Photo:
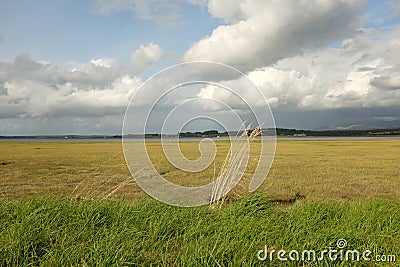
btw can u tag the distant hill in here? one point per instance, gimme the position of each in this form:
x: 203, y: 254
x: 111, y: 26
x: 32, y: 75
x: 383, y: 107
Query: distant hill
x: 384, y: 123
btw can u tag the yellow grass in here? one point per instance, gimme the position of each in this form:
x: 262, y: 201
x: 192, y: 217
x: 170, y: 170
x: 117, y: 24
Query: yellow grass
x: 339, y: 170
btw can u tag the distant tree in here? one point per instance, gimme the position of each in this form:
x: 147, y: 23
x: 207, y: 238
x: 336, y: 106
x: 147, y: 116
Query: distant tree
x: 210, y: 132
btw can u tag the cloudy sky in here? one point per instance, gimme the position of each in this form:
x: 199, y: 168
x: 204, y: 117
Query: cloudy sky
x: 71, y: 67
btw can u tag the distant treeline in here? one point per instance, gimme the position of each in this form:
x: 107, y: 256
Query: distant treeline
x: 209, y: 133
x: 296, y: 132
x: 215, y: 133
x: 371, y: 132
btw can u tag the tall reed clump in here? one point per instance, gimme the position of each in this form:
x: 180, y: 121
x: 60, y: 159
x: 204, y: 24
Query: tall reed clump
x: 237, y: 155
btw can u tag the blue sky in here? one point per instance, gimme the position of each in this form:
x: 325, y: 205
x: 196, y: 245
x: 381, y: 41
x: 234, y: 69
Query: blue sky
x: 381, y: 14
x: 75, y: 64
x: 60, y: 31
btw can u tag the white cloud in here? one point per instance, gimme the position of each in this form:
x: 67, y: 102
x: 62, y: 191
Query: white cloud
x: 229, y: 10
x: 98, y: 72
x: 263, y: 32
x: 30, y: 89
x: 144, y: 56
x: 363, y: 74
x: 104, y: 62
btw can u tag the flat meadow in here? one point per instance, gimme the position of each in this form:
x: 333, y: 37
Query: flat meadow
x: 75, y: 204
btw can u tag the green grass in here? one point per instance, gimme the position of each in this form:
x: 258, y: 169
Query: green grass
x: 351, y: 190
x: 60, y: 232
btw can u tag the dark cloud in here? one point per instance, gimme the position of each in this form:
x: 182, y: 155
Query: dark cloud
x: 387, y: 82
x: 336, y: 118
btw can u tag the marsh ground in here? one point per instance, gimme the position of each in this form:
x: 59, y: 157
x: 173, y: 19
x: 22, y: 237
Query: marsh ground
x: 338, y: 170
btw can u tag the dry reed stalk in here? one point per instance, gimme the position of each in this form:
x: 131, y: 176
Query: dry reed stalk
x: 232, y: 163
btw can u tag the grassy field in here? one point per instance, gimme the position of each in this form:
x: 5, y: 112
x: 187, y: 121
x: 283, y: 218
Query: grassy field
x: 337, y: 170
x: 74, y: 204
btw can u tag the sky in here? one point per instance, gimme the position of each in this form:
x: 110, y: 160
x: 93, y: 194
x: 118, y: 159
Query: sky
x: 72, y: 67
